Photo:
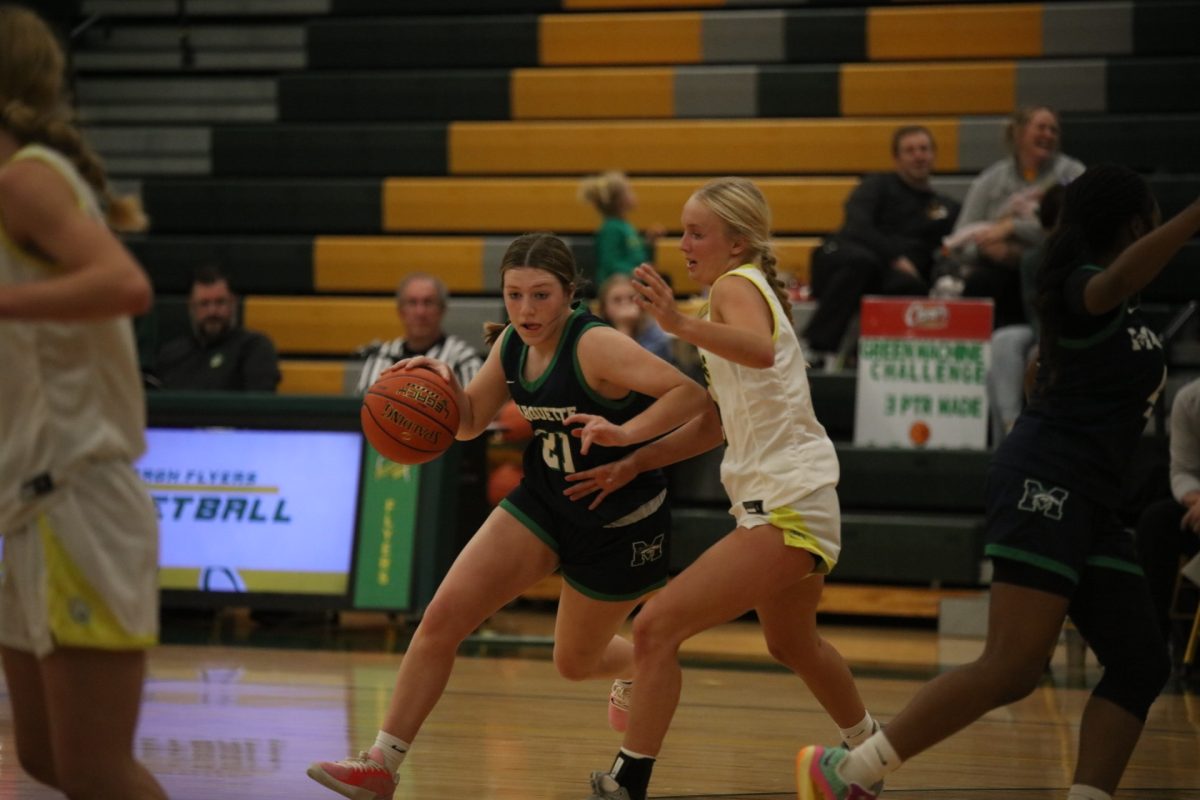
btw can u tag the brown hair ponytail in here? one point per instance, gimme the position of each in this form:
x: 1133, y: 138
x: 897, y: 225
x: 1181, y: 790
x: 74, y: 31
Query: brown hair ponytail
x: 540, y: 251
x: 33, y: 108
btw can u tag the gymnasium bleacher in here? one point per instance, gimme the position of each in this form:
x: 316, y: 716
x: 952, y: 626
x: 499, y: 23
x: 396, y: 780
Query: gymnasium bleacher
x: 319, y: 149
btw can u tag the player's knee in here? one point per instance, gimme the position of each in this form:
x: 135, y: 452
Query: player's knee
x: 654, y: 634
x: 441, y: 626
x: 1135, y: 680
x: 1009, y: 681
x: 573, y: 665
x: 795, y: 653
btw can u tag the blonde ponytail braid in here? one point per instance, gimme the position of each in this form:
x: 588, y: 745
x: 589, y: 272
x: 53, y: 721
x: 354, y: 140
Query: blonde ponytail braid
x: 767, y: 263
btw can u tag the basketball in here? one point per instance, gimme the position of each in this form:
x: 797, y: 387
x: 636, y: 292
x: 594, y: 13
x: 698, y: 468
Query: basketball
x: 411, y: 416
x: 511, y: 426
x: 503, y: 479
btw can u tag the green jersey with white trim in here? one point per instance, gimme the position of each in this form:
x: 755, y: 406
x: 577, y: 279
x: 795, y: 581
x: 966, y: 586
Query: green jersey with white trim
x: 560, y: 391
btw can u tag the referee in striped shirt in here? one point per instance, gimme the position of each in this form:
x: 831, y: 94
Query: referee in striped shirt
x: 421, y: 304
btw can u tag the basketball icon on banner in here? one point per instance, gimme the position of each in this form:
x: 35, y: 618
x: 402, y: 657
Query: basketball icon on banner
x: 918, y: 433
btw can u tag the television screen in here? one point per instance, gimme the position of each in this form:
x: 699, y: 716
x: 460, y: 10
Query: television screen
x: 256, y: 511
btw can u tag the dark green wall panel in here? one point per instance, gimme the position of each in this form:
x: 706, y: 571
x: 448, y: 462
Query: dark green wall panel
x: 1146, y: 142
x: 1165, y: 27
x: 423, y: 42
x: 928, y: 480
x: 1174, y: 192
x: 394, y: 96
x: 787, y: 91
x: 262, y: 207
x: 394, y: 7
x: 316, y: 150
x: 254, y: 265
x: 1180, y: 280
x: 1153, y: 84
x: 827, y: 35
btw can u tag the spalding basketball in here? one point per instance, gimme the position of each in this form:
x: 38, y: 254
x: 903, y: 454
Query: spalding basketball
x: 410, y: 416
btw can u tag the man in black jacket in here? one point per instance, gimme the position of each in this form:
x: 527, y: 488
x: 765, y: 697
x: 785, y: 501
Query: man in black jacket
x: 893, y: 227
x: 219, y: 354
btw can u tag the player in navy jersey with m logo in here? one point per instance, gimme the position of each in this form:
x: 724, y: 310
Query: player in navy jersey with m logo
x: 1058, y: 548
x: 591, y: 395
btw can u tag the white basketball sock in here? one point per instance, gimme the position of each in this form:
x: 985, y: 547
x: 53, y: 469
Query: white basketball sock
x: 1081, y: 792
x: 392, y: 750
x: 868, y: 763
x: 859, y: 733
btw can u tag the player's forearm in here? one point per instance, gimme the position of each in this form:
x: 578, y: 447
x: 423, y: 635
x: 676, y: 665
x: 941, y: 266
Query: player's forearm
x: 93, y: 293
x: 746, y: 347
x: 698, y: 435
x: 674, y: 408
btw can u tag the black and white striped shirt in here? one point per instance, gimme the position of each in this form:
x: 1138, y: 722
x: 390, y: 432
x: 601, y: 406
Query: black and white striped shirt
x: 459, y: 355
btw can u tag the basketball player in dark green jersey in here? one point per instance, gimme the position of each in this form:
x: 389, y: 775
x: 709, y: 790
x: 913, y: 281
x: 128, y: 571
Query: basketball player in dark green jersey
x: 591, y: 394
x: 1057, y: 546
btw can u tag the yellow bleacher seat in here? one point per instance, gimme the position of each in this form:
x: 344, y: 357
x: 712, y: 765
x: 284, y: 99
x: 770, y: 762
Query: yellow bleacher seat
x: 740, y: 147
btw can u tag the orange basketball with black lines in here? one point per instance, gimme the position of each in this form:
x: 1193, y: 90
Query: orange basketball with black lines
x: 410, y: 416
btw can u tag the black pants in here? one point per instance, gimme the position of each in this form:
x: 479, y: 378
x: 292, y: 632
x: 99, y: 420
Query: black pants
x: 1003, y: 285
x: 842, y: 272
x: 1160, y: 544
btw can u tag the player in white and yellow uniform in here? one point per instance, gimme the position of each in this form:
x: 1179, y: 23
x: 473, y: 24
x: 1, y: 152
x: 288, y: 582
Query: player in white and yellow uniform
x: 780, y: 471
x: 78, y: 595
x: 779, y: 467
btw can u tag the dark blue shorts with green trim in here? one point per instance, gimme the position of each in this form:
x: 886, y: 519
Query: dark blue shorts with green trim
x: 1056, y: 530
x: 618, y: 563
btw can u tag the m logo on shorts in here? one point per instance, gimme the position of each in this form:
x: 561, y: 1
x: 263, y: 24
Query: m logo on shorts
x: 1041, y: 500
x: 644, y: 553
x: 753, y: 506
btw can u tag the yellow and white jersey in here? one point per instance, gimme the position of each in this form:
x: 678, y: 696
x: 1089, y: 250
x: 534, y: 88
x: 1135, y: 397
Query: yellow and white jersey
x: 71, y: 391
x: 776, y: 450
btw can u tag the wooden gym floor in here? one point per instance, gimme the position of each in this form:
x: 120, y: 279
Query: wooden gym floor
x: 243, y: 720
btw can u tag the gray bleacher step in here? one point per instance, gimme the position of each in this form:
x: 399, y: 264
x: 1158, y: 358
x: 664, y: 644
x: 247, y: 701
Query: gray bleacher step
x: 214, y: 47
x: 176, y: 99
x: 955, y: 186
x: 206, y: 8
x: 176, y: 113
x: 158, y: 165
x: 207, y: 61
x: 137, y: 151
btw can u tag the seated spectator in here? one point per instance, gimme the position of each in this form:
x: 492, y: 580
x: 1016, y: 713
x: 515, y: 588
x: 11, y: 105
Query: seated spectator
x: 894, y: 224
x: 617, y: 305
x: 999, y: 222
x: 1170, y: 529
x: 619, y: 246
x: 1015, y: 346
x: 219, y: 354
x: 421, y: 301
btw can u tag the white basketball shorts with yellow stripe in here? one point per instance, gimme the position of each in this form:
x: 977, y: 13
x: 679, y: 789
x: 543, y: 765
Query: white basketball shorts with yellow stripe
x: 812, y: 523
x: 83, y: 570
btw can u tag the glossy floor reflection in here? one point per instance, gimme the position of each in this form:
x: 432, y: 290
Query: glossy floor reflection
x: 243, y: 722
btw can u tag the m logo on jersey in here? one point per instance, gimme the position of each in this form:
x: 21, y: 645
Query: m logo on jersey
x: 1041, y: 500
x: 1143, y: 339
x: 644, y: 553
